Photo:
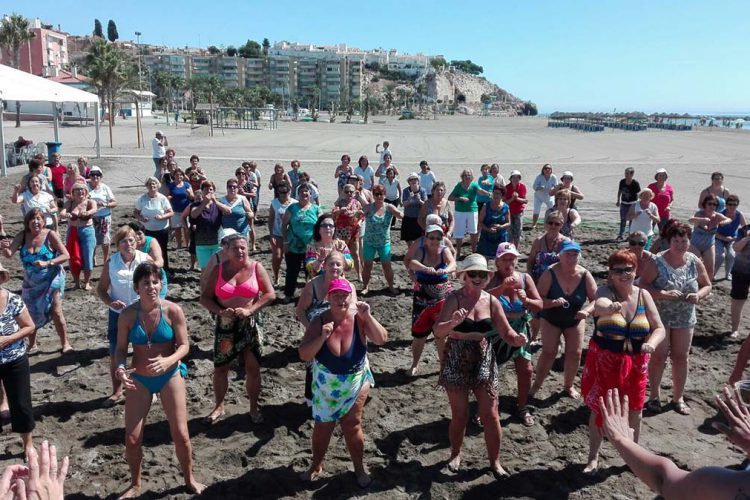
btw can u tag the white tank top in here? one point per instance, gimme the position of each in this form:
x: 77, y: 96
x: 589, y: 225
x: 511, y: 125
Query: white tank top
x: 121, y: 278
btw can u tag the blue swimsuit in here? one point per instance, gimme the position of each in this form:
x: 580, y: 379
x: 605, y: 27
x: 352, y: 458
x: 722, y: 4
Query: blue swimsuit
x: 163, y: 333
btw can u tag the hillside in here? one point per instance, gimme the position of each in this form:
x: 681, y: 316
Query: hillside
x: 438, y: 88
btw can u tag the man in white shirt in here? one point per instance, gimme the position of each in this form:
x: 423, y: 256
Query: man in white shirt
x: 385, y: 151
x: 159, y: 146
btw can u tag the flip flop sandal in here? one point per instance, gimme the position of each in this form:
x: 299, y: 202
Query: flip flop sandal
x: 681, y: 407
x: 527, y: 419
x: 653, y: 406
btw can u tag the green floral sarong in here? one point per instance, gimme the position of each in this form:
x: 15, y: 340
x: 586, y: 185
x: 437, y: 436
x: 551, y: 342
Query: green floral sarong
x: 333, y: 394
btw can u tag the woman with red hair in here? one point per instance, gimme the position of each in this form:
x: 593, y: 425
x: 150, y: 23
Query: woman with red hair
x: 627, y: 330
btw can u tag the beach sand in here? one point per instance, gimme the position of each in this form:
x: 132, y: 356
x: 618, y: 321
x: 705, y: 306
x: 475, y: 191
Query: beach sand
x: 406, y: 420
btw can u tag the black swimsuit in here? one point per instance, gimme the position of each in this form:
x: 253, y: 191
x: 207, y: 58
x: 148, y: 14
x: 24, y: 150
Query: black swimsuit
x: 565, y: 317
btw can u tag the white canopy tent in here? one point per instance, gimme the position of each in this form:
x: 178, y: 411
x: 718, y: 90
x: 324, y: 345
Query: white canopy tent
x: 16, y: 85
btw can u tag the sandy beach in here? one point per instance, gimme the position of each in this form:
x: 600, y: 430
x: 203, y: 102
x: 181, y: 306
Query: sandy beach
x: 406, y: 419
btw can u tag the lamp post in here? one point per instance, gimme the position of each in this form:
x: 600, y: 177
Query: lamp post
x: 138, y: 128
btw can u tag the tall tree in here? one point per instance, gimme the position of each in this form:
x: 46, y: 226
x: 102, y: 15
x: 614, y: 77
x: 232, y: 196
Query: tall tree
x: 112, y: 34
x: 231, y: 51
x: 14, y: 33
x: 266, y: 46
x: 111, y: 72
x: 250, y: 50
x: 214, y: 50
x: 98, y: 32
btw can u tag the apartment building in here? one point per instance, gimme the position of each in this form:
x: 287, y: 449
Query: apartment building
x: 48, y: 49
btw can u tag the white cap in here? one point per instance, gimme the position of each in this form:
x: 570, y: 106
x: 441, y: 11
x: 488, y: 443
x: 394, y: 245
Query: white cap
x: 159, y: 132
x: 661, y: 171
x: 226, y: 231
x: 515, y: 172
x: 432, y: 228
x: 567, y: 173
x: 433, y: 219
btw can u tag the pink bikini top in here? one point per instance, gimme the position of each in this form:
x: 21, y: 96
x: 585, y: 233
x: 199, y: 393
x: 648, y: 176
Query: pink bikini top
x: 247, y: 289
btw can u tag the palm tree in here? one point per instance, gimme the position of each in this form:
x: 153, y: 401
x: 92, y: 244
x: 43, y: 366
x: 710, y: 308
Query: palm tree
x: 15, y: 32
x: 111, y: 73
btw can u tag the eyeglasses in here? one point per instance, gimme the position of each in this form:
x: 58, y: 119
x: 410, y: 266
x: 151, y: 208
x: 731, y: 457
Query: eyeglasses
x: 622, y: 270
x: 476, y: 274
x: 326, y: 225
x: 637, y: 243
x: 556, y: 224
x: 712, y: 204
x: 378, y: 194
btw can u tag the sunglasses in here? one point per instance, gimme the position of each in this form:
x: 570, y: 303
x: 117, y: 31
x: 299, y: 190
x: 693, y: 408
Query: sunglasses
x: 476, y: 274
x: 326, y: 225
x: 712, y: 204
x: 637, y: 243
x: 556, y: 224
x: 232, y: 186
x: 732, y: 204
x: 378, y: 194
x: 95, y: 175
x: 348, y: 192
x: 435, y: 238
x: 622, y: 270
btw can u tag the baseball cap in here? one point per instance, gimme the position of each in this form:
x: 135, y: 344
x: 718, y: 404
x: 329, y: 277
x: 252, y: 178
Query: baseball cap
x: 506, y: 248
x: 515, y: 172
x: 570, y: 245
x: 340, y: 285
x: 432, y: 228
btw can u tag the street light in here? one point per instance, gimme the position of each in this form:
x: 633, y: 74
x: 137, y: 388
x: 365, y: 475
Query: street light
x: 139, y: 130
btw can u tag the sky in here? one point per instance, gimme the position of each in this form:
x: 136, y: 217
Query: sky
x: 564, y: 55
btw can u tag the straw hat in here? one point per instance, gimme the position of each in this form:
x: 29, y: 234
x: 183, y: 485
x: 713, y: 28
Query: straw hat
x: 474, y: 262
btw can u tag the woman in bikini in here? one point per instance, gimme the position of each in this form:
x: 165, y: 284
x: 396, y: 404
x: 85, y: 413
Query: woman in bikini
x: 235, y: 291
x: 565, y: 288
x: 158, y: 332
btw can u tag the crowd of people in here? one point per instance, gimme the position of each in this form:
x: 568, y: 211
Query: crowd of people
x: 643, y: 314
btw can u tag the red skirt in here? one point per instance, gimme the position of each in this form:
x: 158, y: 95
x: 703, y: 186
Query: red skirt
x: 604, y: 370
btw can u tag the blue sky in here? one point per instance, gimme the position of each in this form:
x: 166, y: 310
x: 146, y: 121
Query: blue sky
x: 657, y: 55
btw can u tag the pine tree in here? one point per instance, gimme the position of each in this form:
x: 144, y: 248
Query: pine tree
x: 98, y: 28
x: 112, y: 34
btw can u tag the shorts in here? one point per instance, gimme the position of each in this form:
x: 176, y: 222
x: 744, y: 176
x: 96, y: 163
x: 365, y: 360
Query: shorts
x: 16, y: 378
x: 176, y: 221
x: 423, y: 324
x: 464, y: 223
x: 410, y: 229
x: 516, y: 228
x: 112, y: 331
x: 102, y: 227
x: 540, y: 198
x: 604, y: 370
x: 384, y: 252
x: 740, y: 285
x: 58, y: 192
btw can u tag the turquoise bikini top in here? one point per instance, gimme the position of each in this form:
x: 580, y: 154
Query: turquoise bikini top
x: 163, y: 332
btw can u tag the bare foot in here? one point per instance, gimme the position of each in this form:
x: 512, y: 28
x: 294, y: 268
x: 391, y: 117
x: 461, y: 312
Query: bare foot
x: 195, y: 487
x: 498, y: 471
x: 132, y: 492
x: 87, y: 286
x: 413, y: 371
x: 364, y: 291
x: 311, y: 474
x: 67, y: 348
x: 734, y: 335
x: 454, y: 464
x: 591, y: 467
x: 214, y: 416
x: 573, y: 393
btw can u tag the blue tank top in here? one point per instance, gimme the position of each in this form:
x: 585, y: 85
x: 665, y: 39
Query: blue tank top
x: 44, y: 253
x: 730, y: 230
x: 350, y: 361
x: 514, y: 306
x: 179, y: 195
x: 163, y: 333
x: 237, y: 218
x: 424, y: 278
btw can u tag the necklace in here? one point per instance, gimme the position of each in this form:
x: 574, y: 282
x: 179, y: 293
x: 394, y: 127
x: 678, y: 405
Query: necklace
x: 145, y: 330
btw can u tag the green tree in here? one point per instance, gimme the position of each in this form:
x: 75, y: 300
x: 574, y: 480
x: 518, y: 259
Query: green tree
x: 213, y: 50
x: 232, y: 51
x: 98, y: 32
x: 250, y: 50
x: 111, y: 72
x: 112, y: 34
x: 207, y: 87
x: 15, y: 32
x: 467, y: 67
x: 438, y: 62
x: 389, y: 97
x: 266, y: 46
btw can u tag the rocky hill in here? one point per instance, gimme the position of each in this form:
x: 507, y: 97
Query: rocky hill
x: 446, y: 88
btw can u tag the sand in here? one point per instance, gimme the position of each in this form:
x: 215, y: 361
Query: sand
x: 406, y: 420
